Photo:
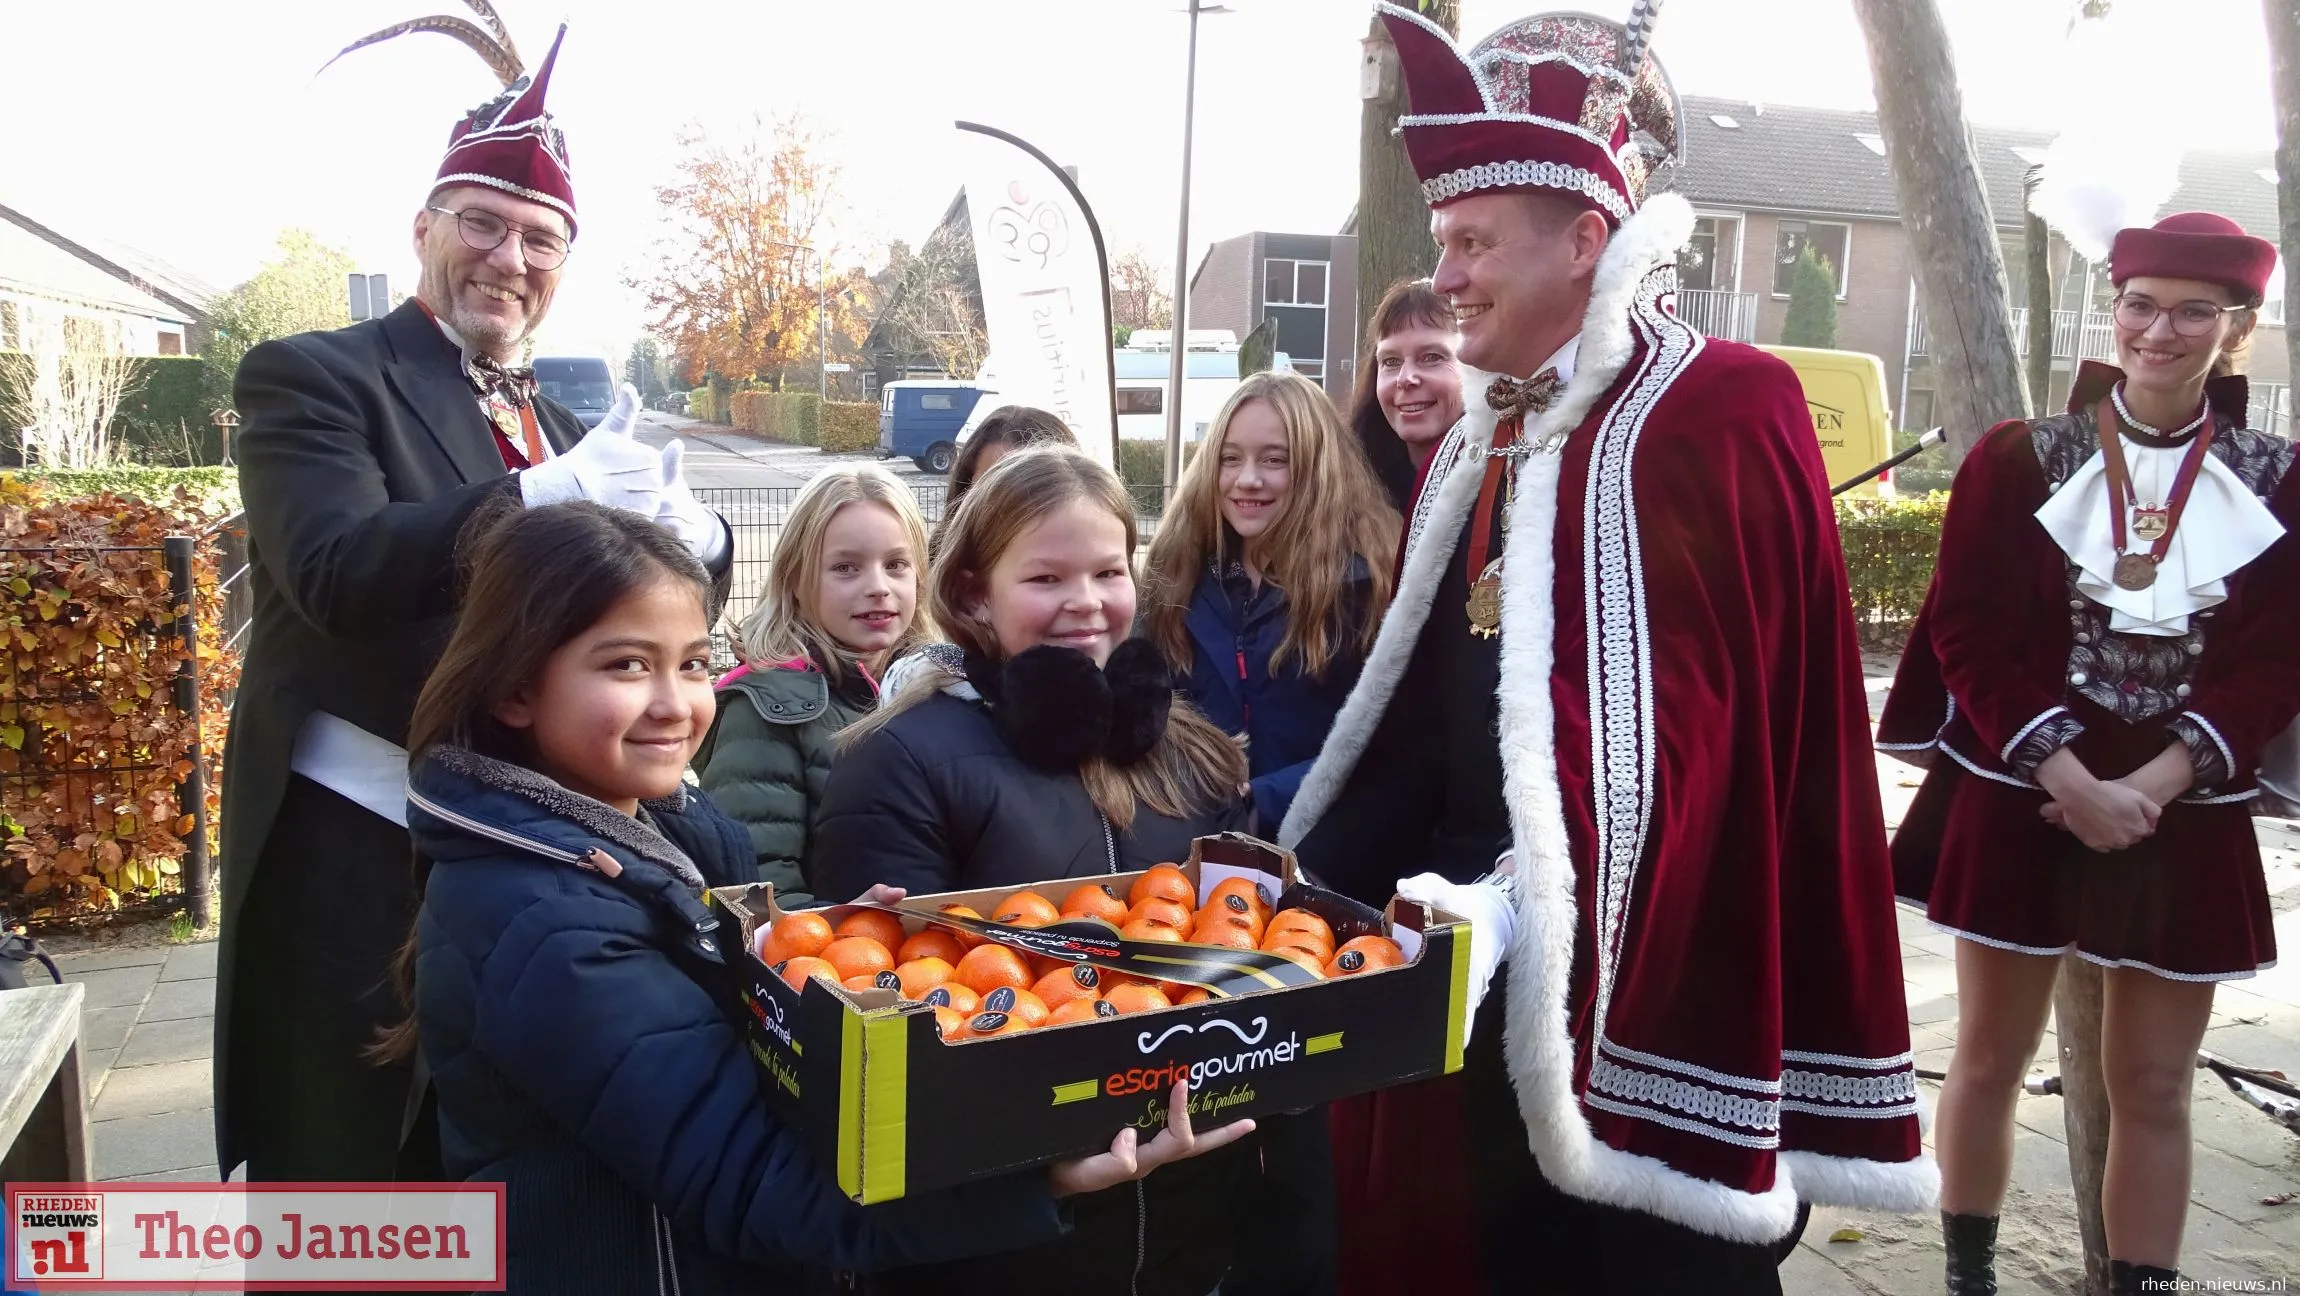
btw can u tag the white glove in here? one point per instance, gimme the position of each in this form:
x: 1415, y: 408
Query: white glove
x: 606, y: 467
x: 684, y: 516
x: 1492, y: 914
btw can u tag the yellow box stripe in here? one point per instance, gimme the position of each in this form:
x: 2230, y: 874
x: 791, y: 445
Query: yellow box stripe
x: 850, y: 1159
x: 1457, y: 1001
x: 1079, y: 1092
x: 1317, y: 1044
x: 886, y: 1102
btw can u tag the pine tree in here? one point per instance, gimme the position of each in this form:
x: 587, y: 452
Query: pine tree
x: 1812, y: 318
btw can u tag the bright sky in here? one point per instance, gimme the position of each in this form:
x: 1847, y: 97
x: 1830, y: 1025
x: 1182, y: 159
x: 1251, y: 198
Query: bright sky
x: 198, y: 131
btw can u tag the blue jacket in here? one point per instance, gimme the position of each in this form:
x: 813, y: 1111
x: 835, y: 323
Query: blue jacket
x: 579, y: 1039
x: 1284, y: 716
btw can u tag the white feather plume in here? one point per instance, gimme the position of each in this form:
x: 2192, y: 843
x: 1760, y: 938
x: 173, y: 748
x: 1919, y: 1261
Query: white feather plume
x: 2106, y: 171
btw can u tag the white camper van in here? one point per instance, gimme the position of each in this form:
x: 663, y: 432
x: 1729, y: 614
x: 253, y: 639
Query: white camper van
x: 1142, y: 369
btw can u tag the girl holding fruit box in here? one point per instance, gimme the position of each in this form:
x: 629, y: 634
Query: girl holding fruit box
x: 1042, y: 743
x: 840, y: 603
x: 568, y: 997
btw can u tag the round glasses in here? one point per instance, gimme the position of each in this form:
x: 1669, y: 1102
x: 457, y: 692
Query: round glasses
x: 484, y: 231
x: 2189, y: 318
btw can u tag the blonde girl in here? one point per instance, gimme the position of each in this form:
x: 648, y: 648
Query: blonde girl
x: 1270, y: 575
x: 840, y: 602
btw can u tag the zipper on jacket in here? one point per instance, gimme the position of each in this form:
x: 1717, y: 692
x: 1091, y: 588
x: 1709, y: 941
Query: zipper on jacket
x: 666, y: 1253
x: 1141, y: 1238
x: 1245, y: 706
x: 1109, y: 840
x: 588, y: 859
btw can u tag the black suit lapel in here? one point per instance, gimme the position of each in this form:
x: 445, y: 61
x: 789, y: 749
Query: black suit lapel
x: 424, y: 371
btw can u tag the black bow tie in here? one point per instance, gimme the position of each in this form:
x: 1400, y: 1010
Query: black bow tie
x: 492, y: 378
x: 1509, y: 397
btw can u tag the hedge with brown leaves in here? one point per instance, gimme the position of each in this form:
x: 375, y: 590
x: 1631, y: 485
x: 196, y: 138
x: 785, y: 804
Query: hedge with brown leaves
x: 91, y: 744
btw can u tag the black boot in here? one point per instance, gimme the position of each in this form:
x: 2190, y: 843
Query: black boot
x: 2128, y: 1279
x: 1972, y: 1245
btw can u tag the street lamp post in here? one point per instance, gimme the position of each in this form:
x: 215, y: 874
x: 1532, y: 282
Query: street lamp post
x: 1176, y: 370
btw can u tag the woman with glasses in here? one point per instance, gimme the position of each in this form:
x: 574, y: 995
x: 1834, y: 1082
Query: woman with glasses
x: 2105, y: 649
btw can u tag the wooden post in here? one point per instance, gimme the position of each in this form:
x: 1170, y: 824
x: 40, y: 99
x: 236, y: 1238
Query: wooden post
x: 2076, y: 1009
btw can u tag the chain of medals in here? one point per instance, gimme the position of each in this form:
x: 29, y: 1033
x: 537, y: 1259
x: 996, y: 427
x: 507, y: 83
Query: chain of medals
x: 2152, y: 524
x: 1517, y: 402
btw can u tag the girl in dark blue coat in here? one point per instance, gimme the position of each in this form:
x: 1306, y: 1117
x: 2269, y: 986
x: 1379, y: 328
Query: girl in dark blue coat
x: 1270, y: 575
x: 1268, y: 581
x: 569, y: 998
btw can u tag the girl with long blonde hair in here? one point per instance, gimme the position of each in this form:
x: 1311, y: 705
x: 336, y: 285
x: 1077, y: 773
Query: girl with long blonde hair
x: 1270, y: 574
x: 1043, y: 743
x: 840, y: 603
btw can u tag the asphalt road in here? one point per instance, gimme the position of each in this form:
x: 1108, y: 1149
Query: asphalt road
x: 721, y: 457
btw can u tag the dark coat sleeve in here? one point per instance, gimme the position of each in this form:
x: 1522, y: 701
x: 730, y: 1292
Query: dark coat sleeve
x: 757, y: 773
x: 881, y: 821
x: 348, y: 558
x: 578, y: 1008
x: 2246, y: 687
x: 1985, y: 605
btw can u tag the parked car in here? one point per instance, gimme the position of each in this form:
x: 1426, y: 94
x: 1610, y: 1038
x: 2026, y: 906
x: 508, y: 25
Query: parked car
x: 919, y: 419
x: 584, y: 384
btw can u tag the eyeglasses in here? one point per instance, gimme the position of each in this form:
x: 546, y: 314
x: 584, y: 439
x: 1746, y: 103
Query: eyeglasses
x: 484, y: 231
x: 2189, y: 318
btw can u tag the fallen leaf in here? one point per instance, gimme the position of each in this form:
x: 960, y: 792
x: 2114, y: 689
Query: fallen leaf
x: 2280, y: 1199
x: 1848, y: 1234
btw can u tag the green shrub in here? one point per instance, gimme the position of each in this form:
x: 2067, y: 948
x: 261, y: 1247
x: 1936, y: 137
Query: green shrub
x: 1930, y: 471
x: 699, y: 405
x: 1812, y: 318
x: 168, y: 419
x: 212, y: 488
x: 1890, y: 545
x: 849, y: 426
x: 1142, y: 466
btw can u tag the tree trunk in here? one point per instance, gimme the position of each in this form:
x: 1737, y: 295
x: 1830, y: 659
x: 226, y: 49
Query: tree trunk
x: 2076, y: 1011
x: 1393, y: 221
x: 1944, y: 208
x: 2036, y: 250
x: 2284, y: 77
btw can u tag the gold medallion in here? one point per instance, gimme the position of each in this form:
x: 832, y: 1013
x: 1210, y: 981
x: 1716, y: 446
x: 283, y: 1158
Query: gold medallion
x: 2151, y: 523
x: 2134, y: 571
x: 507, y: 422
x: 1485, y: 602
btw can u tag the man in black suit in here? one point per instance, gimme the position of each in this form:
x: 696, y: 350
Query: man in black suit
x: 363, y: 451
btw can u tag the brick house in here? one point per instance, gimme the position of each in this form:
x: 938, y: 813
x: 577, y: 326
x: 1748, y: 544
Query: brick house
x: 1307, y: 282
x: 1766, y: 180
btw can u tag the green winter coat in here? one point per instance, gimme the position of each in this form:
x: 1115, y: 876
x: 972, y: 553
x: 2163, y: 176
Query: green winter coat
x: 768, y: 756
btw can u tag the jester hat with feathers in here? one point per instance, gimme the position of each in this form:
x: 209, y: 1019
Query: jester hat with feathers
x: 509, y: 142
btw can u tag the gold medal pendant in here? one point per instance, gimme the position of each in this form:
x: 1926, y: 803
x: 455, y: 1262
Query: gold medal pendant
x: 2134, y: 572
x: 1485, y: 602
x: 507, y: 422
x: 2150, y: 524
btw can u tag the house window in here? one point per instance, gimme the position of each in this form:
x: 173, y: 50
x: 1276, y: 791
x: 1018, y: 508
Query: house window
x: 171, y: 344
x: 1141, y: 400
x: 1711, y: 261
x: 1792, y: 237
x: 1294, y: 283
x: 1314, y: 370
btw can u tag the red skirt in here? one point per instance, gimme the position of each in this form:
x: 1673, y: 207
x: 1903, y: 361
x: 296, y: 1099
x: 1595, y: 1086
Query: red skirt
x: 2189, y: 902
x: 1404, y: 1205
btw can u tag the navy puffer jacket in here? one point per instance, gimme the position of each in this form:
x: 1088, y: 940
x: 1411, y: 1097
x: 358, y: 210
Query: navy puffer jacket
x: 574, y: 1019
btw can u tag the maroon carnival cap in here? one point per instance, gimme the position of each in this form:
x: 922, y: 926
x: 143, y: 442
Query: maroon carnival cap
x: 2195, y: 245
x: 1561, y: 103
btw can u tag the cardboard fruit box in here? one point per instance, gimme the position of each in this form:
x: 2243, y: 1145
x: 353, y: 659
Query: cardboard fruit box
x: 896, y: 1109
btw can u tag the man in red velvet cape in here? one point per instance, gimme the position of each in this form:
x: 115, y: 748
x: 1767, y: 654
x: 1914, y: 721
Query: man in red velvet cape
x: 1621, y: 661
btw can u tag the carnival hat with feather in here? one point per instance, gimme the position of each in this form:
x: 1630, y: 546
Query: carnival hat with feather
x: 1561, y: 103
x: 509, y: 142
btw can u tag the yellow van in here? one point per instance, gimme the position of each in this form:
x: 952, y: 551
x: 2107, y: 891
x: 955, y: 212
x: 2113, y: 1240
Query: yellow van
x: 1845, y: 390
